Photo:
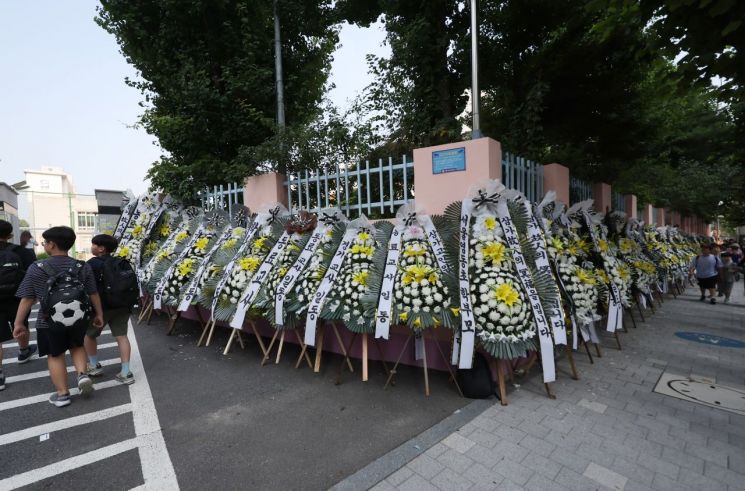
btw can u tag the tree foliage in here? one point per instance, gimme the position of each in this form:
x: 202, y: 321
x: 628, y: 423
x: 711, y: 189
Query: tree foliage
x: 207, y: 74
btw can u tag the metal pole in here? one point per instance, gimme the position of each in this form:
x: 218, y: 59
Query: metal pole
x: 278, y: 67
x: 476, y: 128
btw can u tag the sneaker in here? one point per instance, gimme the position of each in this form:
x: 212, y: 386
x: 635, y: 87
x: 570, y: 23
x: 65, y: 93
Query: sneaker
x: 29, y: 355
x: 96, y: 371
x: 726, y: 300
x: 2, y: 381
x: 720, y: 294
x: 85, y: 385
x: 60, y: 401
x: 703, y: 297
x: 713, y: 300
x: 127, y: 379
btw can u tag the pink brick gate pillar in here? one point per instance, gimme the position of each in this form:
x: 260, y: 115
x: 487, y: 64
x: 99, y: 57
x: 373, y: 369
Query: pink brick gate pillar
x: 647, y: 214
x: 264, y: 189
x: 630, y: 202
x: 444, y: 173
x: 556, y: 179
x: 601, y: 193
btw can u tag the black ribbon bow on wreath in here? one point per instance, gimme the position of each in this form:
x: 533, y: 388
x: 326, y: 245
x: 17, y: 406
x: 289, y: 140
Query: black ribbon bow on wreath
x: 327, y: 219
x: 483, y: 199
x: 273, y: 214
x: 410, y: 219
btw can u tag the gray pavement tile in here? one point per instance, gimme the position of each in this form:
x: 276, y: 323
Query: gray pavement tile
x: 734, y: 479
x: 666, y: 440
x: 657, y: 465
x: 485, y: 456
x: 570, y: 460
x: 458, y: 443
x: 513, y: 471
x: 629, y: 468
x: 436, y: 450
x: 596, y: 406
x: 647, y: 446
x: 699, y: 481
x: 455, y: 460
x: 448, y: 480
x: 736, y: 462
x: 537, y: 445
x: 383, y: 486
x: 416, y: 483
x: 683, y: 459
x: 541, y: 465
x: 575, y: 481
x: 484, y: 477
x: 399, y: 476
x: 662, y: 482
x: 737, y: 441
x: 510, y: 451
x: 636, y: 486
x: 707, y: 453
x: 510, y: 433
x: 594, y: 454
x: 540, y: 483
x: 425, y: 466
x: 606, y: 477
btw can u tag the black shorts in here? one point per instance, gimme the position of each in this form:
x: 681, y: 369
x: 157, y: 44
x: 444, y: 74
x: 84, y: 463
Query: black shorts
x: 708, y: 283
x: 55, y: 342
x: 7, y: 319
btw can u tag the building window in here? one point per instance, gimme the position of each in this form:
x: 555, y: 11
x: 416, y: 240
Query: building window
x: 86, y: 220
x: 44, y: 184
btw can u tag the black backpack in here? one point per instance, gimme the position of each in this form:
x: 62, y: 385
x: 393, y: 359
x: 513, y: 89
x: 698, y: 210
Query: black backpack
x: 65, y: 303
x: 476, y: 382
x: 11, y: 272
x: 119, y: 284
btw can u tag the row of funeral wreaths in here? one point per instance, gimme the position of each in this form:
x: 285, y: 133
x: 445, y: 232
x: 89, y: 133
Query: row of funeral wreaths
x: 502, y: 273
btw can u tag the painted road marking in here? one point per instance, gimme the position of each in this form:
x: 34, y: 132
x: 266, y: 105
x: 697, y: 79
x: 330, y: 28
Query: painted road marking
x: 51, y: 470
x: 63, y: 424
x: 26, y: 401
x: 45, y: 373
x: 157, y: 468
x: 10, y: 361
x: 15, y: 345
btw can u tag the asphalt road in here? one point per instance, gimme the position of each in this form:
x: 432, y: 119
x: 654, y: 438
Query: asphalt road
x: 225, y: 420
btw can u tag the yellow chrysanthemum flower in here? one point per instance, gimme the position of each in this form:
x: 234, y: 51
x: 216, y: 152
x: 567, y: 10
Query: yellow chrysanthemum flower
x: 414, y: 251
x: 249, y: 263
x: 363, y: 236
x: 418, y: 273
x: 282, y: 272
x: 229, y: 244
x: 506, y: 294
x: 603, y: 245
x: 602, y: 275
x: 364, y: 250
x: 122, y: 252
x: 137, y: 231
x: 200, y: 244
x: 624, y: 273
x: 238, y: 231
x: 181, y: 236
x: 494, y: 252
x: 360, y: 278
x: 165, y: 254
x: 490, y: 223
x: 455, y: 311
x: 329, y: 232
x: 185, y: 267
x: 165, y: 230
x: 557, y: 244
x: 403, y: 316
x: 585, y: 277
x: 260, y: 242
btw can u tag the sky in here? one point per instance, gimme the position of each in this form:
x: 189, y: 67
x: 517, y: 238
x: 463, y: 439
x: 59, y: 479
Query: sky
x: 64, y: 103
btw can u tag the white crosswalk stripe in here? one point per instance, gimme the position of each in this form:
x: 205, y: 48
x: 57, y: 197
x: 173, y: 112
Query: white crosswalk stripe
x: 157, y: 468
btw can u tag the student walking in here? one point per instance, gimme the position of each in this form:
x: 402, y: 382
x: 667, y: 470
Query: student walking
x: 706, y: 267
x: 66, y: 291
x: 14, y: 261
x: 117, y: 285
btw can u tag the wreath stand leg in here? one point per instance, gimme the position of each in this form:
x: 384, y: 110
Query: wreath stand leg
x: 447, y: 364
x: 365, y: 374
x: 319, y: 348
x: 207, y: 328
x: 597, y: 350
x: 497, y: 365
x: 618, y: 339
x: 143, y: 313
x: 398, y: 361
x: 572, y: 365
x: 303, y: 351
x: 424, y: 363
x: 587, y: 349
x: 149, y: 315
x: 212, y: 332
x: 639, y: 308
x: 172, y: 318
x: 279, y: 348
x: 382, y: 358
x: 549, y: 393
x: 230, y: 341
x: 269, y: 350
x: 346, y: 359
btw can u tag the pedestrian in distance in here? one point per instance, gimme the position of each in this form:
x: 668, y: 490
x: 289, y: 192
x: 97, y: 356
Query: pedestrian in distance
x: 728, y: 273
x: 116, y: 282
x: 14, y: 261
x: 706, y: 267
x: 66, y: 291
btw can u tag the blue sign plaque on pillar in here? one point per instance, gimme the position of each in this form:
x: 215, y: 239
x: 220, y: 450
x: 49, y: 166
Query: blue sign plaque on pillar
x: 452, y: 160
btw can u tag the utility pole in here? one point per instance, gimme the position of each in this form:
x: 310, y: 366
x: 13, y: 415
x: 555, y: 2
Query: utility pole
x: 476, y: 127
x: 278, y: 69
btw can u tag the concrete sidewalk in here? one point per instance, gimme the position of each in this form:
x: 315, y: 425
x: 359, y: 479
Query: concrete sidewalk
x: 609, y: 430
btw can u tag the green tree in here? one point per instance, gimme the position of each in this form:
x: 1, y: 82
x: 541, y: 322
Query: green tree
x: 207, y: 75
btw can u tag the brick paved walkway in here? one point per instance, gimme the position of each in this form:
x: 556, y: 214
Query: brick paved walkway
x: 608, y: 430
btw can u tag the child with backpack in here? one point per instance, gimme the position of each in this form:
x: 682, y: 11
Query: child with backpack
x: 66, y: 290
x: 14, y: 261
x: 117, y: 283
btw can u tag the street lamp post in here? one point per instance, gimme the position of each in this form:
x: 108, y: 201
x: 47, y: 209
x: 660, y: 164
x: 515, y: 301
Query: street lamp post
x: 476, y: 127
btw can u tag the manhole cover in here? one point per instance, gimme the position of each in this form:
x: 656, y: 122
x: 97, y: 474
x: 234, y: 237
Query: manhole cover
x: 701, y: 392
x: 711, y: 339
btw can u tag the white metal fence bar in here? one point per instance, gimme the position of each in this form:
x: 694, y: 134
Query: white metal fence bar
x: 619, y: 204
x: 579, y: 190
x: 523, y: 175
x: 224, y: 196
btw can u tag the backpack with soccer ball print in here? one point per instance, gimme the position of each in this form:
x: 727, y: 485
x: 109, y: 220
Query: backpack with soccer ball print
x: 65, y: 302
